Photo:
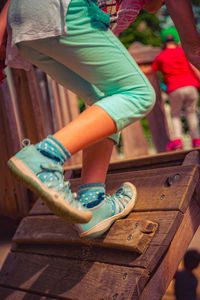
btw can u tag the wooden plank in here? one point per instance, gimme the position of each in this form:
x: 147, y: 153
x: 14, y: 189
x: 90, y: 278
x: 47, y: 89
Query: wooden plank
x: 160, y: 160
x: 154, y: 187
x: 64, y: 107
x: 55, y: 91
x: 28, y: 104
x: 43, y: 92
x: 52, y: 104
x: 14, y: 294
x: 134, y: 142
x: 126, y: 234
x: 174, y: 255
x: 191, y: 158
x: 168, y: 221
x: 158, y: 189
x: 156, y: 118
x: 71, y: 279
x: 13, y: 197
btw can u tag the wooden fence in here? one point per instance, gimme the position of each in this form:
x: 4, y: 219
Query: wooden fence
x: 33, y: 106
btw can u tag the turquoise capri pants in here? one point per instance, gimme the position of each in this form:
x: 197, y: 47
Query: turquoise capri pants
x: 93, y: 63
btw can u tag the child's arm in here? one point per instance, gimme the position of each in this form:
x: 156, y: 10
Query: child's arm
x: 153, y: 5
x: 3, y: 32
x: 183, y: 18
x: 196, y: 72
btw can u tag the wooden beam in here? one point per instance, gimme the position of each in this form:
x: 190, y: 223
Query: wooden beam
x: 159, y: 160
x: 71, y: 279
x: 16, y: 294
x: 168, y: 221
x: 13, y: 197
x: 134, y: 142
x: 157, y: 119
x: 154, y: 188
x: 159, y: 282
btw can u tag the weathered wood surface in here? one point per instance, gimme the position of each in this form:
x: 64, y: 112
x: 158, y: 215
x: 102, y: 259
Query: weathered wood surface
x: 29, y: 104
x: 158, y: 189
x: 127, y: 234
x: 57, y: 263
x: 160, y: 160
x: 144, y: 55
x: 168, y: 224
x: 13, y: 197
x: 72, y: 279
x: 13, y: 294
x: 169, y: 264
x: 157, y: 118
x: 134, y: 141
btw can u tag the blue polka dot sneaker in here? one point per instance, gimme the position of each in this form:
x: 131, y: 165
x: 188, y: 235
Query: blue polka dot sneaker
x: 43, y: 174
x: 111, y: 208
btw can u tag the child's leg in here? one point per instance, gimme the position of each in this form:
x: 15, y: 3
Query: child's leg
x: 99, y: 58
x: 96, y: 159
x: 176, y: 104
x: 190, y: 106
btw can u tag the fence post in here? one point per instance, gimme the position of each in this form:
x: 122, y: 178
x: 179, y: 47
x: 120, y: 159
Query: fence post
x: 144, y: 56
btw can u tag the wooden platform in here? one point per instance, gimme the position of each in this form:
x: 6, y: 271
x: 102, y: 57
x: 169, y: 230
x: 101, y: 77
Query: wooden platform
x: 135, y: 259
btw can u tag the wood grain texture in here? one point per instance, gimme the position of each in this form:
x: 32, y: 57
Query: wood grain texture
x: 72, y: 279
x: 29, y: 104
x: 159, y: 160
x: 13, y: 196
x: 177, y: 249
x: 134, y: 141
x: 126, y: 234
x: 12, y: 294
x: 57, y: 232
x: 160, y: 189
x: 157, y: 118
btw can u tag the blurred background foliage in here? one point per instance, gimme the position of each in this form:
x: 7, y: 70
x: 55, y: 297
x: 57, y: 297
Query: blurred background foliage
x: 146, y: 30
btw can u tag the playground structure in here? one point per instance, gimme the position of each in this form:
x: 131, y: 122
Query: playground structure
x: 33, y: 106
x: 135, y: 259
x: 138, y: 256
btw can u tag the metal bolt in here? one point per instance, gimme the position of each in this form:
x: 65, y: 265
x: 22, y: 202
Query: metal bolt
x: 125, y: 276
x: 129, y: 237
x: 162, y: 197
x: 170, y: 180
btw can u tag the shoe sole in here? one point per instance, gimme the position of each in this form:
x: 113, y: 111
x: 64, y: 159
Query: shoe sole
x: 103, y: 226
x: 55, y: 202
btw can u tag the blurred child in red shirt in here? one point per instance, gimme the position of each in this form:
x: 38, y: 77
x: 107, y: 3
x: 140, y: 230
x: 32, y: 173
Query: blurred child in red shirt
x: 182, y: 88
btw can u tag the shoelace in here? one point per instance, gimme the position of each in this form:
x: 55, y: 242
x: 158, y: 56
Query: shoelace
x: 117, y: 199
x: 63, y: 187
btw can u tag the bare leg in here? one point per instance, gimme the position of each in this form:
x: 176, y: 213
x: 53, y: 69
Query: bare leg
x: 193, y: 124
x: 96, y: 159
x: 90, y: 127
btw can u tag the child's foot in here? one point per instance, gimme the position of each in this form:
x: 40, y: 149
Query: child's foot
x: 44, y: 176
x: 110, y: 209
x: 196, y: 143
x: 174, y: 145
